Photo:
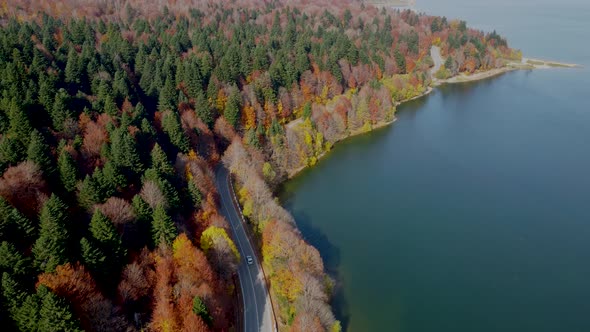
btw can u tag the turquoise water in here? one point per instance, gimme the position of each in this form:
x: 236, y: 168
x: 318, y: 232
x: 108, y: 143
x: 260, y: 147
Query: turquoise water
x: 471, y: 212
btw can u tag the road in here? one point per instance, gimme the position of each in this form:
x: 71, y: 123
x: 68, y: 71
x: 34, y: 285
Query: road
x: 258, y: 315
x: 438, y: 60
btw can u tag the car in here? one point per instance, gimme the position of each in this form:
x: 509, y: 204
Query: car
x: 249, y: 260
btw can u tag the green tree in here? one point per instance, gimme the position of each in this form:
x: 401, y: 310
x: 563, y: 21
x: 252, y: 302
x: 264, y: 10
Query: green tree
x: 105, y: 234
x: 195, y: 194
x: 232, y: 107
x: 91, y: 192
x: 12, y: 151
x: 20, y: 125
x: 172, y: 127
x: 60, y: 111
x: 160, y: 162
x: 40, y: 153
x: 200, y: 309
x: 55, y: 314
x: 163, y: 228
x: 12, y: 261
x: 68, y: 170
x: 50, y: 249
x: 124, y: 151
x: 92, y: 257
x: 166, y: 101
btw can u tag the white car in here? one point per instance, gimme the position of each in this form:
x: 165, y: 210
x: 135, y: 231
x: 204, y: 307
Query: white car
x: 249, y: 260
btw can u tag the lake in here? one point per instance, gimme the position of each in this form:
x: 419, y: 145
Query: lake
x: 472, y: 211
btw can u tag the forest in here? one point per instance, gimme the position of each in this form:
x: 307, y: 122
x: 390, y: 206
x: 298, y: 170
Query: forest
x: 114, y: 114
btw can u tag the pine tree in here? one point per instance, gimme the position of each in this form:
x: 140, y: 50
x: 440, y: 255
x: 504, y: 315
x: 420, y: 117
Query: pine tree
x: 200, y: 309
x: 20, y: 125
x: 124, y: 151
x: 40, y: 153
x: 109, y: 241
x: 50, y: 249
x: 92, y: 257
x: 195, y: 194
x: 232, y: 107
x: 12, y: 151
x: 68, y: 171
x: 160, y: 162
x: 172, y: 127
x: 13, y: 224
x: 91, y: 192
x: 72, y: 72
x: 60, y: 111
x: 13, y: 293
x: 166, y: 101
x: 203, y: 109
x: 55, y: 314
x: 26, y: 315
x: 12, y: 261
x: 163, y: 228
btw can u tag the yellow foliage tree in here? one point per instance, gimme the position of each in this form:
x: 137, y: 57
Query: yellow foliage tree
x: 213, y: 235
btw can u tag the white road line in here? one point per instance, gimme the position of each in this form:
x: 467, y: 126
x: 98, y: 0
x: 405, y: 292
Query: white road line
x: 242, y: 249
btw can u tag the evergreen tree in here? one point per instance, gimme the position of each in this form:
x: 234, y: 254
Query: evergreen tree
x: 232, y: 107
x: 200, y: 309
x: 50, y: 249
x: 92, y: 257
x: 166, y: 101
x: 40, y: 153
x: 13, y: 225
x: 72, y: 72
x: 160, y: 162
x: 20, y: 125
x: 163, y: 228
x: 12, y: 261
x: 203, y: 108
x: 68, y: 171
x: 55, y: 314
x: 26, y: 315
x: 60, y: 111
x: 104, y: 232
x: 172, y: 127
x: 12, y: 151
x: 195, y: 194
x: 124, y: 151
x: 91, y: 192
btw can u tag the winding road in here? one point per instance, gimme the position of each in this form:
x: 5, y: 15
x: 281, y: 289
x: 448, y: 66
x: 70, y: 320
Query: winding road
x: 258, y: 315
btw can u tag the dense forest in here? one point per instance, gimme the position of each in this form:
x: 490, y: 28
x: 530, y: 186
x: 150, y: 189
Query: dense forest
x: 114, y: 114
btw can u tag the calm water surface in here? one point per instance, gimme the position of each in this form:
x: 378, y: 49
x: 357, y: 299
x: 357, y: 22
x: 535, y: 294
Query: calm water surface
x: 471, y: 212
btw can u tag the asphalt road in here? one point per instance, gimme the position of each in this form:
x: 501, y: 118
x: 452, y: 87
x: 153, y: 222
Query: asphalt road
x: 257, y: 307
x: 438, y: 60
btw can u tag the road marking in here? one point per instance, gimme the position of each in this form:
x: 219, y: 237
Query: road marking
x: 241, y: 249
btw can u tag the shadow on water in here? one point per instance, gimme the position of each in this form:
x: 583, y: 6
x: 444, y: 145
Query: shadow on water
x: 330, y: 255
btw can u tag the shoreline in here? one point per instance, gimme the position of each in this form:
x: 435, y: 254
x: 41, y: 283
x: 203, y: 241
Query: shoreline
x: 524, y: 64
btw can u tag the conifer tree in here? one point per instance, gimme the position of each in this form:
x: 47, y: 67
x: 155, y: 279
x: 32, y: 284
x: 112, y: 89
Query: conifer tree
x: 232, y: 107
x: 166, y: 101
x: 68, y: 171
x: 163, y: 228
x: 50, y: 249
x: 56, y: 315
x: 160, y: 162
x: 172, y: 127
x: 40, y: 153
x: 60, y: 111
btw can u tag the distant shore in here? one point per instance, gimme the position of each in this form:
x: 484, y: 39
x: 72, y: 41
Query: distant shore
x: 524, y: 64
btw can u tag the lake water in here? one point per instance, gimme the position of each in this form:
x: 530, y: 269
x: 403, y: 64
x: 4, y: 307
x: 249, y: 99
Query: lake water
x: 471, y: 212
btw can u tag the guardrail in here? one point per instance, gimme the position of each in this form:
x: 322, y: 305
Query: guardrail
x: 236, y: 204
